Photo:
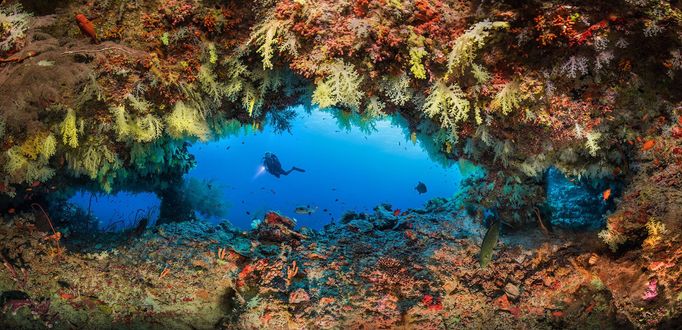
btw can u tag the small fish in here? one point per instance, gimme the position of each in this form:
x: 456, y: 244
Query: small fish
x: 421, y: 187
x: 86, y: 27
x: 648, y: 145
x: 228, y: 148
x: 489, y: 243
x: 248, y: 213
x: 305, y: 210
x: 396, y: 212
x: 606, y: 194
x: 11, y: 210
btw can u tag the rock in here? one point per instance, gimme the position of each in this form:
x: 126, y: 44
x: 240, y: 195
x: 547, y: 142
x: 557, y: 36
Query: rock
x: 279, y: 229
x: 362, y: 226
x: 512, y: 290
x: 268, y: 249
x: 241, y: 245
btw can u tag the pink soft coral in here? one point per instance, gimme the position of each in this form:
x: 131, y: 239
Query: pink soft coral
x: 651, y: 291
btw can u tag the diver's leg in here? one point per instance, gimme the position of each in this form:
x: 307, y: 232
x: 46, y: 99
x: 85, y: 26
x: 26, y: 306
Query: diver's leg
x: 292, y: 169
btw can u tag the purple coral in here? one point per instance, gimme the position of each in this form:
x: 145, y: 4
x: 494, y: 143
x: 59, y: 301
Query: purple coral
x: 651, y: 291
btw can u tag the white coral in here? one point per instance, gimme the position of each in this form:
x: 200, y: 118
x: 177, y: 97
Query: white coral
x: 603, y: 59
x: 13, y: 26
x: 574, y: 66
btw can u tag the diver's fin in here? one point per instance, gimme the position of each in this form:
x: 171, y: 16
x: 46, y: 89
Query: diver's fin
x: 297, y: 169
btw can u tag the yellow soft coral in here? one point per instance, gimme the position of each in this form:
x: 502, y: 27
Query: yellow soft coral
x: 22, y: 169
x: 142, y: 129
x: 69, y: 130
x: 656, y: 230
x: 41, y: 145
x: 612, y: 237
x: 417, y: 67
x: 186, y: 121
x: 95, y: 160
x: 341, y: 87
x: 29, y: 161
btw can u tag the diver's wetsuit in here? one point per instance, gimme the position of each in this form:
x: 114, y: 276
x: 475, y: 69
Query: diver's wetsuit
x: 273, y: 166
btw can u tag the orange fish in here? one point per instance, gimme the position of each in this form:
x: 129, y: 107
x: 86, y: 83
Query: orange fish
x: 86, y: 27
x: 396, y: 212
x: 648, y: 145
x: 606, y: 194
x: 11, y: 211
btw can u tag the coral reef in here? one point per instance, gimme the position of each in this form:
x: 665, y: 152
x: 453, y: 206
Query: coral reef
x: 590, y: 89
x: 417, y: 269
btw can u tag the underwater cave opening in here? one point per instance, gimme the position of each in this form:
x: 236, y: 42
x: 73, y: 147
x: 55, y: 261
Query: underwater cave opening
x: 350, y: 165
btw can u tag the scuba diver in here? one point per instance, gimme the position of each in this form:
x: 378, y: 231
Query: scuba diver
x: 273, y: 166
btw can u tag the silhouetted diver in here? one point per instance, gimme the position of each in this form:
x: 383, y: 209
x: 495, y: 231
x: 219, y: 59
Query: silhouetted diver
x: 273, y: 166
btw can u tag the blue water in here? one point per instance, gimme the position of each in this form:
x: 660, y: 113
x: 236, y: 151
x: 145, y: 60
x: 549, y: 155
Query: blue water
x: 118, y: 211
x: 346, y: 169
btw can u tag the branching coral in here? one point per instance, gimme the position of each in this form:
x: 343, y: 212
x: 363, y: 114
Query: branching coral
x: 448, y: 103
x: 96, y: 160
x: 397, y: 89
x: 612, y: 236
x: 186, y: 121
x: 341, y: 87
x: 509, y: 98
x: 13, y: 26
x: 466, y: 46
x: 266, y: 36
x: 146, y: 128
x: 656, y: 230
x: 69, y: 130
